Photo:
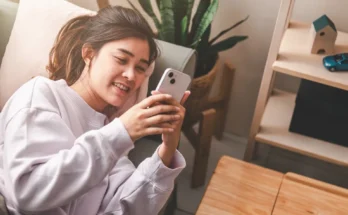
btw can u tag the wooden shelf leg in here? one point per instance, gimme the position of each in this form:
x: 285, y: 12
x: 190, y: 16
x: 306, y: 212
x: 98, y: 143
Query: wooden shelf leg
x: 282, y: 23
x: 206, y: 129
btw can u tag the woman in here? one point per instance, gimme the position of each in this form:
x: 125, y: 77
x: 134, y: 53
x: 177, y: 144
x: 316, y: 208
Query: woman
x: 60, y: 154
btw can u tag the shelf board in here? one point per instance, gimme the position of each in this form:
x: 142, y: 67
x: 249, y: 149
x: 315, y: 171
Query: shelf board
x: 274, y: 130
x: 294, y: 57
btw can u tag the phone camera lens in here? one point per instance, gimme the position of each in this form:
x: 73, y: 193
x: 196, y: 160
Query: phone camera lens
x: 170, y: 74
x: 172, y: 81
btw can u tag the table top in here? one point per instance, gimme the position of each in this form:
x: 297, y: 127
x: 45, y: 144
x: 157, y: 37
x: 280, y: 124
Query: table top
x: 239, y: 187
x: 302, y: 195
x: 242, y: 188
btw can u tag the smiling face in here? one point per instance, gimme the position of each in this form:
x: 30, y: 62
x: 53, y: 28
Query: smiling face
x: 116, y: 72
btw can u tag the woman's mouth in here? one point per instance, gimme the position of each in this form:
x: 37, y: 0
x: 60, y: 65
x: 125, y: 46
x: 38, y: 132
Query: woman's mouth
x: 121, y: 87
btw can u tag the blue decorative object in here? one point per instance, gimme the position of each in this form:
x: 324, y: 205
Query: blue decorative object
x: 322, y: 22
x: 338, y: 62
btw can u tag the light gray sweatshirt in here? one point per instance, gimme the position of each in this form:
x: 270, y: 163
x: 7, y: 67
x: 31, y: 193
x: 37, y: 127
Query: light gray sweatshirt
x: 58, y: 158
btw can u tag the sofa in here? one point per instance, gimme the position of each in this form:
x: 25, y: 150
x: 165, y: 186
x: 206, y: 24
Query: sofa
x: 172, y: 56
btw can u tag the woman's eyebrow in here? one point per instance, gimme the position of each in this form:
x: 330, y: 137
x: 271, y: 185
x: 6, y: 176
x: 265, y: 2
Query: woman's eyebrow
x: 132, y: 55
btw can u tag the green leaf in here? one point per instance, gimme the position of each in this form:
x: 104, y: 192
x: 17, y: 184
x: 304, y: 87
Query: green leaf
x: 204, y: 58
x: 180, y: 10
x: 227, y: 30
x: 227, y: 43
x: 188, y: 14
x: 202, y: 8
x: 203, y: 45
x: 184, y: 31
x: 206, y: 20
x: 146, y: 5
x: 168, y: 25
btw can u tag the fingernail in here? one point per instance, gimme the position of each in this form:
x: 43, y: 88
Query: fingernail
x: 168, y: 96
x: 177, y: 108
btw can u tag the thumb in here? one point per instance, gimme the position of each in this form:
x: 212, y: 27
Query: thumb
x: 185, y: 97
x: 154, y: 92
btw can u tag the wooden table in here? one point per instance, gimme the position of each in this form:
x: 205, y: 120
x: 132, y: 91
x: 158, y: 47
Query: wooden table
x: 237, y: 188
x: 302, y: 195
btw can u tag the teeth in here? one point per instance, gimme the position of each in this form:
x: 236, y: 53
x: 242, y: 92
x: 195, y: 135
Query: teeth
x: 121, y: 86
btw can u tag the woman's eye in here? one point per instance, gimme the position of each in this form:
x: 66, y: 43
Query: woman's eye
x: 141, y: 69
x: 121, y: 60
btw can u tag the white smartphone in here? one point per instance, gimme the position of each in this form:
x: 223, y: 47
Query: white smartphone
x: 174, y: 82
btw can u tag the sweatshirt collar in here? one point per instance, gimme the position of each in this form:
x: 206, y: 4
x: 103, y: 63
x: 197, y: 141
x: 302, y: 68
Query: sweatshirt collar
x: 95, y: 118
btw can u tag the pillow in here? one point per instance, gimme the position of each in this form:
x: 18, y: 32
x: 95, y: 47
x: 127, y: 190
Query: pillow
x: 35, y: 29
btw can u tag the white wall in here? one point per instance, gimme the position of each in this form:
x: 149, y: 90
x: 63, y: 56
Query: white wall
x: 250, y: 56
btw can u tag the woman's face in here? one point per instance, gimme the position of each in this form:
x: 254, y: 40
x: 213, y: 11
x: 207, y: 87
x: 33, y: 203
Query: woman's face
x: 118, y: 70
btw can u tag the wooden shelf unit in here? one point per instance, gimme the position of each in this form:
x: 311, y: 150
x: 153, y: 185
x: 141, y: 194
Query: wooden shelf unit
x: 274, y: 130
x: 295, y: 59
x: 289, y: 53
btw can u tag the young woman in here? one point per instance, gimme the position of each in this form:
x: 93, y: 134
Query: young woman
x: 61, y: 154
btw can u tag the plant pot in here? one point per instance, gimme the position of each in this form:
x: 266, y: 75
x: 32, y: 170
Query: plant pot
x: 198, y: 100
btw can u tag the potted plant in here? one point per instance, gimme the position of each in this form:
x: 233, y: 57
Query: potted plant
x: 174, y: 27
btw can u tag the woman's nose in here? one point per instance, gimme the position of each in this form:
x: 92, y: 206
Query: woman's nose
x: 129, y: 74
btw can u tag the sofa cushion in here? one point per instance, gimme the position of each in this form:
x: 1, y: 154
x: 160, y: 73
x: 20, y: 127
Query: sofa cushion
x: 8, y: 11
x: 33, y: 34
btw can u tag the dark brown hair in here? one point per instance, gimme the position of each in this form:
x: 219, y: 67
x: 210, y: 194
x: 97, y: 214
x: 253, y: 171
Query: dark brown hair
x: 109, y: 24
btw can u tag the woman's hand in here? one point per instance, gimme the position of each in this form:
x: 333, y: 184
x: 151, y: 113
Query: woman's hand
x: 171, y: 139
x: 152, y: 116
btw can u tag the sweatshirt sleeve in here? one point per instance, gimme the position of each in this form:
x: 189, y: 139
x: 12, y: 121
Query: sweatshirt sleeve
x: 147, y: 188
x: 46, y: 166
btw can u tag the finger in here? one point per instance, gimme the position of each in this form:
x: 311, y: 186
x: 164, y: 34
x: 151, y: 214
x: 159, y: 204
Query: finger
x: 160, y: 109
x: 185, y: 97
x: 165, y: 125
x: 173, y: 101
x: 156, y: 130
x: 155, y: 104
x: 159, y: 119
x: 149, y: 101
x: 154, y: 92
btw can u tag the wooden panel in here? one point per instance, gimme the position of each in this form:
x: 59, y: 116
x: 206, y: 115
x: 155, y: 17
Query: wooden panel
x: 275, y: 131
x: 294, y: 57
x: 240, y: 188
x: 300, y: 195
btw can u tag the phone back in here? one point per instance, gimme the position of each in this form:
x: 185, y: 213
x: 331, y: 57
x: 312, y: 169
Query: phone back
x: 174, y: 82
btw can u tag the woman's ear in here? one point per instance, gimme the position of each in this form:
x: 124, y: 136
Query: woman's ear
x: 87, y: 54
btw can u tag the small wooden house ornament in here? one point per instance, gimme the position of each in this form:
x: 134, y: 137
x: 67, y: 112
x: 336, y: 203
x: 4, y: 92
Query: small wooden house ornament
x: 323, y: 35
